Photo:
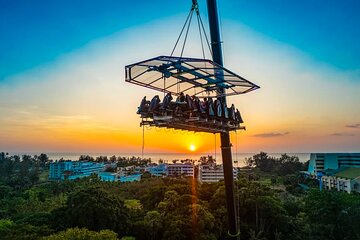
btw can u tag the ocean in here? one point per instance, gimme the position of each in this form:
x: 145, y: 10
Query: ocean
x: 239, y: 159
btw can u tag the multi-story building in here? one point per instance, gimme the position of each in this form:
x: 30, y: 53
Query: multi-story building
x: 180, y: 169
x: 131, y: 178
x: 344, y: 179
x: 60, y: 170
x: 320, y: 162
x: 118, y: 177
x: 109, y: 176
x: 158, y: 170
x: 212, y: 173
x: 87, y: 168
x: 340, y: 171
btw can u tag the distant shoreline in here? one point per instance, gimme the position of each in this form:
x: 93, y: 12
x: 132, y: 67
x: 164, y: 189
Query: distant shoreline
x: 167, y: 157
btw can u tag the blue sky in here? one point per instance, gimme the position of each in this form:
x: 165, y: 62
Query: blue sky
x: 37, y: 32
x: 328, y: 30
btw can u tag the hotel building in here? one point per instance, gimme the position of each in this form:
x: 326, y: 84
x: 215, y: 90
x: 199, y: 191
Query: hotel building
x: 212, y: 173
x: 180, y: 169
x: 340, y: 171
x: 60, y: 170
x: 319, y: 162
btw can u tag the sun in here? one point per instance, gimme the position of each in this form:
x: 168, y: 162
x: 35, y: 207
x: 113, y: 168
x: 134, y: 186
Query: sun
x: 192, y: 147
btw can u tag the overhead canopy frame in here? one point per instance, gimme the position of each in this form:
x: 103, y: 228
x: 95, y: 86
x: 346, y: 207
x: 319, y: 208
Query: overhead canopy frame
x: 199, y: 77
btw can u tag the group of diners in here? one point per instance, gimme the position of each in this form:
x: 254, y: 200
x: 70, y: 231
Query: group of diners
x: 190, y: 106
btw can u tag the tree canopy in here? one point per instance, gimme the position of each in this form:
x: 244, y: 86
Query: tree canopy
x: 271, y: 205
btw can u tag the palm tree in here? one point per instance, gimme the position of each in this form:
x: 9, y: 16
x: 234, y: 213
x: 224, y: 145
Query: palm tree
x: 256, y: 236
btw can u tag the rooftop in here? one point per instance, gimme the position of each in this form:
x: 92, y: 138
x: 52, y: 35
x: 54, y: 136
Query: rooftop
x: 349, y: 173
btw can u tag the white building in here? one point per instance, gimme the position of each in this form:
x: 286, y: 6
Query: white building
x: 180, y: 169
x: 212, y: 173
x: 347, y: 180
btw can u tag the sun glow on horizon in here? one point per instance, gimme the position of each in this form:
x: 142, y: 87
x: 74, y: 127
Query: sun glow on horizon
x: 192, y: 147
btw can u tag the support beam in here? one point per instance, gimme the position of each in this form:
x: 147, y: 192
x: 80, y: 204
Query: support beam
x: 225, y: 137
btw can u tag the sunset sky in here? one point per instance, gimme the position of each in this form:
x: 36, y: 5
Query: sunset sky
x: 62, y: 86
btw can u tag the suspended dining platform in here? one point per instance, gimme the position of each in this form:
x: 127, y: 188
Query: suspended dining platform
x: 199, y: 78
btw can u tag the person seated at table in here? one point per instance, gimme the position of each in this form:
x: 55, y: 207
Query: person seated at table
x: 225, y: 111
x: 143, y: 106
x: 166, y: 101
x: 203, y: 106
x: 218, y: 108
x: 210, y: 107
x: 154, y: 104
x: 189, y: 102
x: 181, y: 98
x: 238, y: 117
x: 180, y: 104
x: 232, y: 112
x: 190, y: 105
x: 196, y: 103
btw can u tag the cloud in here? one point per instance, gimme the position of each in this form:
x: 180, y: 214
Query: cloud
x: 270, y: 135
x: 356, y: 125
x: 342, y: 134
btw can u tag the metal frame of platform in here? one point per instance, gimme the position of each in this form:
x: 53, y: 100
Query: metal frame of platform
x: 195, y: 125
x: 199, y: 77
